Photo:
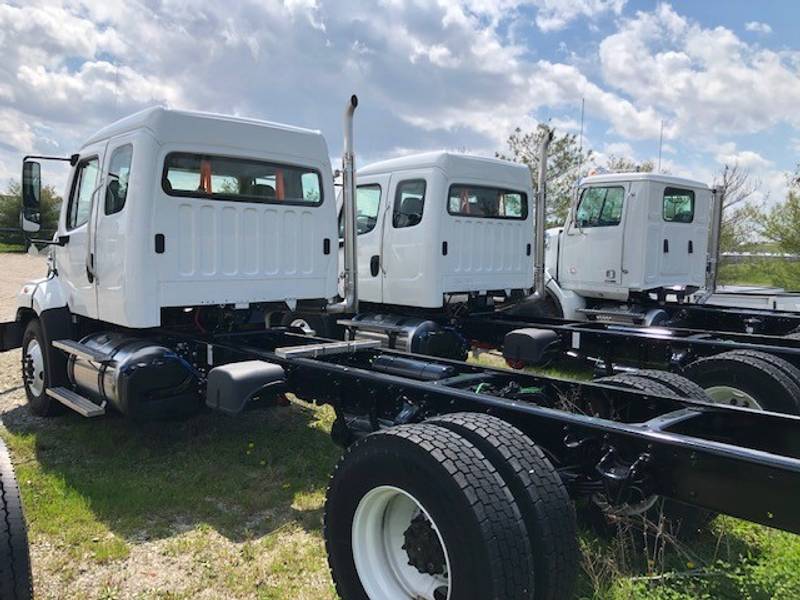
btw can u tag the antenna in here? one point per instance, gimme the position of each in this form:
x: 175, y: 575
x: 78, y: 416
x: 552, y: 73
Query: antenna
x: 660, y: 144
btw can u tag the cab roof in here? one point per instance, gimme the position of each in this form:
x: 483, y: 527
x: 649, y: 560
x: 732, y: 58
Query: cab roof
x: 455, y: 165
x: 191, y: 128
x: 656, y: 177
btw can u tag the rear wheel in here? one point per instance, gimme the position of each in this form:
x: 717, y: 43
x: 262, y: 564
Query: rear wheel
x: 539, y: 492
x: 15, y: 564
x: 417, y: 512
x: 34, y: 371
x: 679, y: 385
x: 749, y: 379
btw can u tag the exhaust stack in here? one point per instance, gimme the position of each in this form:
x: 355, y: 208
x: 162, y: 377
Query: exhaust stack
x: 350, y: 302
x: 539, y: 232
x: 717, y: 201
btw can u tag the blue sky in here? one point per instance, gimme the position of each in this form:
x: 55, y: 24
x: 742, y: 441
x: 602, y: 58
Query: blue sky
x: 724, y: 77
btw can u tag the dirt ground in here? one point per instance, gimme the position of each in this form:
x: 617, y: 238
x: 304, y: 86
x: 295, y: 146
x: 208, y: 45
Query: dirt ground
x: 15, y: 270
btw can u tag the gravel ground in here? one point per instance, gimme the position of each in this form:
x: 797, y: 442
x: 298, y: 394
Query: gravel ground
x: 16, y: 269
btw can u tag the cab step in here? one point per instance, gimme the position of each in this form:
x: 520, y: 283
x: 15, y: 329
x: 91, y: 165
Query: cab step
x: 82, y: 351
x: 82, y: 406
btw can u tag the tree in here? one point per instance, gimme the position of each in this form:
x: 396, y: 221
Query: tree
x: 622, y: 164
x: 736, y: 187
x: 11, y: 205
x: 566, y: 163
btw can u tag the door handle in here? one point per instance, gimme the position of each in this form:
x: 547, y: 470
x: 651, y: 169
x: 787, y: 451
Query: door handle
x: 374, y: 265
x: 666, y: 246
x: 90, y: 267
x: 691, y: 247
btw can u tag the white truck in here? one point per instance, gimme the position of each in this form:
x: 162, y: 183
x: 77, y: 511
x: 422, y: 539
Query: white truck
x: 440, y: 234
x: 643, y: 249
x: 180, y: 237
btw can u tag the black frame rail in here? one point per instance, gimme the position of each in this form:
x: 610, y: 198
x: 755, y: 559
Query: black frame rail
x: 629, y: 345
x: 623, y: 442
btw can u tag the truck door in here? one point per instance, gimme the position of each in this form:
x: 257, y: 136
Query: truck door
x: 72, y: 260
x: 110, y: 229
x: 371, y: 210
x: 591, y: 250
x: 679, y: 244
x: 405, y: 266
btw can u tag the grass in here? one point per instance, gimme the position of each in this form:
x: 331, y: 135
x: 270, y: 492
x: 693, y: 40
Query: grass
x: 233, y: 507
x: 762, y: 272
x: 11, y: 247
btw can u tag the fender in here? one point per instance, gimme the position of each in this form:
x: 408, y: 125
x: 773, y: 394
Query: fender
x: 569, y: 301
x: 40, y: 295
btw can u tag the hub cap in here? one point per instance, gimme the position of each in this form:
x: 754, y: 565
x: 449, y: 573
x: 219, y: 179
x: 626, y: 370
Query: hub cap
x: 33, y: 368
x: 398, y: 551
x: 723, y: 394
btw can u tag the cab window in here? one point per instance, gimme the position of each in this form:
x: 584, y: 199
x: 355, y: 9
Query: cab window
x: 83, y: 187
x: 368, y: 201
x: 678, y: 205
x: 239, y: 179
x: 119, y: 170
x: 600, y: 207
x: 409, y: 201
x: 487, y: 202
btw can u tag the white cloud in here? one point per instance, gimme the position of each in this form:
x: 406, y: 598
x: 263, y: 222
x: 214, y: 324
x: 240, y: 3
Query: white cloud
x: 758, y: 27
x: 704, y: 80
x: 557, y: 14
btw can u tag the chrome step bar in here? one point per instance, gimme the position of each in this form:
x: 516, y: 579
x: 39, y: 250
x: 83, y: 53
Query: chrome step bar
x: 82, y: 406
x: 82, y: 351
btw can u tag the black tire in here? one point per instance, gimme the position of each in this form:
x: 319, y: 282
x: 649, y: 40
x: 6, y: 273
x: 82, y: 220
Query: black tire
x: 782, y: 364
x: 15, y: 564
x: 634, y: 382
x: 41, y: 404
x: 753, y: 373
x: 680, y: 386
x: 475, y: 513
x: 539, y: 492
x: 323, y: 325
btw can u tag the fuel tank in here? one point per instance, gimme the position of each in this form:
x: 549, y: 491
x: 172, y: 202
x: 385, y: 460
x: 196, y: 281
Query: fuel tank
x: 142, y: 378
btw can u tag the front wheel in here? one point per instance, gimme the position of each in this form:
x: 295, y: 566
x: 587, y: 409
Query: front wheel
x: 416, y: 512
x: 34, y: 371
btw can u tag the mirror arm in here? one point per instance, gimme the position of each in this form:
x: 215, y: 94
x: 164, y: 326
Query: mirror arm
x: 61, y: 240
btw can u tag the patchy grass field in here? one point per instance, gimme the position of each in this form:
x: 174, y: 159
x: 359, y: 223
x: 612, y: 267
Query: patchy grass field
x: 214, y: 507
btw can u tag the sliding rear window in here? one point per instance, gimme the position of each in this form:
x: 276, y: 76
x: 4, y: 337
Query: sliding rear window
x: 239, y: 179
x: 487, y: 202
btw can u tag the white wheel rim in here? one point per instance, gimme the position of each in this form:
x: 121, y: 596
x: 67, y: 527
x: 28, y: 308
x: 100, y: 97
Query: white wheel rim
x: 724, y: 394
x: 34, y: 368
x: 303, y: 324
x: 380, y: 526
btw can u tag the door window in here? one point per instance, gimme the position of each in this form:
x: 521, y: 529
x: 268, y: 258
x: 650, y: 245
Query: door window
x: 409, y: 200
x: 80, y: 204
x: 600, y: 207
x: 368, y: 201
x: 678, y: 205
x: 119, y: 170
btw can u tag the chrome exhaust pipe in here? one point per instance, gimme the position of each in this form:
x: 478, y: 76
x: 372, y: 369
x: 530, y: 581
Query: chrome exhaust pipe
x: 350, y: 275
x: 541, y: 212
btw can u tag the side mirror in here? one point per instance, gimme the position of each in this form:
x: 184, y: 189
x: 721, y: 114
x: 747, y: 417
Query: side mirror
x: 30, y: 218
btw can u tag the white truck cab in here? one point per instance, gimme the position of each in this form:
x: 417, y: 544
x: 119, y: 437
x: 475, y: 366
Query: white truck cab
x: 168, y: 209
x: 439, y: 226
x: 627, y: 235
